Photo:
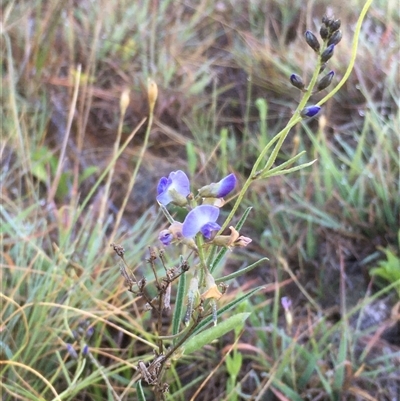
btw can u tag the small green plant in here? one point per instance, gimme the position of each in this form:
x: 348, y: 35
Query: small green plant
x: 389, y: 269
x: 202, y: 239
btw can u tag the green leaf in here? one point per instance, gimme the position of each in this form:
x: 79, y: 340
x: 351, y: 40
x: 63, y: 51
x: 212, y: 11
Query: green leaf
x: 39, y: 172
x: 191, y: 158
x: 87, y: 172
x: 206, y: 337
x: 272, y: 171
x: 179, y: 303
x: 279, y: 171
x: 262, y: 107
x: 234, y: 363
x: 140, y: 392
x: 241, y: 271
x: 225, y: 308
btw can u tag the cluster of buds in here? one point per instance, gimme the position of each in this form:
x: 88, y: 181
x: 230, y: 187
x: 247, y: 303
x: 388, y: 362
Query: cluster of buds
x: 81, y: 335
x: 331, y: 36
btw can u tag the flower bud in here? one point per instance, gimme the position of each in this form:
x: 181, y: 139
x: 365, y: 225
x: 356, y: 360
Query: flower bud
x: 312, y: 41
x: 152, y: 92
x: 124, y: 101
x: 325, y: 81
x: 334, y: 25
x: 297, y: 81
x: 72, y: 351
x: 310, y: 111
x: 324, y: 32
x: 174, y: 232
x: 85, y: 350
x: 335, y: 38
x: 287, y: 305
x: 89, y: 332
x: 322, y: 68
x: 327, y: 53
x: 219, y: 189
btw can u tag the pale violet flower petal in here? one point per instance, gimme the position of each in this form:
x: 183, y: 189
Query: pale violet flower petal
x: 197, y: 218
x: 175, y: 188
x: 208, y: 229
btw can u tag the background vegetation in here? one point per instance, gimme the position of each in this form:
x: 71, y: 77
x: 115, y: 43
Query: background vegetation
x: 331, y: 231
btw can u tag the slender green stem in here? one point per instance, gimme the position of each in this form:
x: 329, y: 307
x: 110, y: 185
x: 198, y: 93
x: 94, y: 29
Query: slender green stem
x: 296, y: 118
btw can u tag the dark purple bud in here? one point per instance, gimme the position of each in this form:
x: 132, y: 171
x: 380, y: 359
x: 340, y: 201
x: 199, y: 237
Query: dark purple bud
x: 335, y: 38
x: 325, y: 20
x: 219, y: 189
x: 310, y: 111
x: 71, y: 351
x: 324, y: 32
x: 334, y: 25
x: 85, y: 350
x: 322, y: 68
x: 325, y: 81
x: 312, y: 41
x: 297, y: 81
x: 89, y: 332
x: 327, y: 53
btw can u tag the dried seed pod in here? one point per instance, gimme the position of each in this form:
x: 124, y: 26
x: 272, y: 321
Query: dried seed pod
x: 312, y: 41
x: 327, y: 53
x: 335, y: 38
x: 325, y: 81
x: 297, y: 81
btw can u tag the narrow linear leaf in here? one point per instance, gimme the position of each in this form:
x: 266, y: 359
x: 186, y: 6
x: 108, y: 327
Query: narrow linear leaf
x: 207, y: 336
x: 287, y: 391
x: 140, y: 392
x: 282, y: 166
x: 242, y: 220
x: 341, y: 366
x: 241, y: 271
x: 290, y: 170
x: 179, y: 303
x: 224, y: 309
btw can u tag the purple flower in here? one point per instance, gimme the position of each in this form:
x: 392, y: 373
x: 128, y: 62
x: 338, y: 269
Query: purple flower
x: 165, y: 237
x: 201, y: 219
x: 219, y: 189
x: 85, y: 350
x: 286, y: 303
x: 310, y: 111
x: 173, y: 189
x: 71, y: 351
x: 174, y: 232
